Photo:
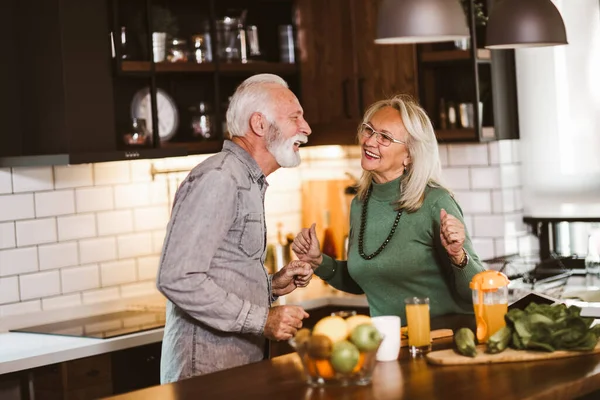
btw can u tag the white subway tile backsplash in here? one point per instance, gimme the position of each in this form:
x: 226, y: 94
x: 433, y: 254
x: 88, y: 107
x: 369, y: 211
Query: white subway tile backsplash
x: 111, y: 218
x: 468, y: 154
x: 501, y: 152
x: 159, y: 193
x: 40, y: 284
x: 456, y: 178
x: 484, y: 248
x: 58, y: 255
x: 80, y: 278
x: 67, y: 301
x: 489, y: 226
x: 94, y: 199
x: 101, y: 295
x: 158, y: 239
x: 31, y: 179
x: 485, y: 178
x: 111, y: 173
x: 139, y: 289
x: 147, y: 267
x: 115, y: 222
x: 73, y: 176
x: 516, y: 151
x: 98, y: 249
x: 506, y: 246
x: 511, y: 176
x: 131, y: 196
x: 25, y: 307
x: 503, y: 201
x: 443, y: 150
x: 76, y: 227
x: 150, y: 218
x: 5, y: 180
x: 7, y: 235
x: 135, y: 245
x: 529, y: 245
x: 115, y: 273
x: 479, y: 202
x: 18, y: 261
x: 36, y: 231
x: 9, y: 290
x: 518, y: 200
x: 59, y: 202
x: 140, y: 170
x: 15, y: 207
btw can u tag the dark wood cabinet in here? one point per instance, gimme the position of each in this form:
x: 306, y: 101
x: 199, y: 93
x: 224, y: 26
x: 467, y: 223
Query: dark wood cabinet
x: 343, y: 71
x: 136, y: 368
x: 468, y: 91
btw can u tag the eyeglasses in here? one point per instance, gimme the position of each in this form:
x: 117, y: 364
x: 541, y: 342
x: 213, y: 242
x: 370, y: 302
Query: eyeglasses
x: 383, y: 139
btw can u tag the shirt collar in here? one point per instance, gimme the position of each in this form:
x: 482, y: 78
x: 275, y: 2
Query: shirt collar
x: 256, y: 173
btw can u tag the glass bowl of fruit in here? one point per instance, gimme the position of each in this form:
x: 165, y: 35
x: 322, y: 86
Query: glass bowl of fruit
x: 339, y: 350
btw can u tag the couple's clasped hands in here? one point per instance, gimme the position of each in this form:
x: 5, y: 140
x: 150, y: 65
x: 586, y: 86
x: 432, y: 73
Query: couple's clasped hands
x: 284, y: 321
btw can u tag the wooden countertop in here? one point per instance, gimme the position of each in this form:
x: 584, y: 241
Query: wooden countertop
x: 282, y: 378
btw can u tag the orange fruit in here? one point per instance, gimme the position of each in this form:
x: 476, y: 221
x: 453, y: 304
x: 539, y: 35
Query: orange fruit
x: 311, y: 368
x: 324, y: 369
x: 359, y: 364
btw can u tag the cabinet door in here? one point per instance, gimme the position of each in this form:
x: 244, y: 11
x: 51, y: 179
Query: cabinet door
x: 383, y: 70
x: 325, y: 44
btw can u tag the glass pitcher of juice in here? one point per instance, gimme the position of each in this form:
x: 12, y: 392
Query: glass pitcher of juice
x: 490, y: 302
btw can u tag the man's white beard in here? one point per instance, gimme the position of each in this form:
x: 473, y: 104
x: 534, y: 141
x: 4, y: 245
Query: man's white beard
x: 283, y: 149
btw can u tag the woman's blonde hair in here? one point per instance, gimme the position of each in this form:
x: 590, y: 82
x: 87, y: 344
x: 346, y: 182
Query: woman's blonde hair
x: 425, y: 168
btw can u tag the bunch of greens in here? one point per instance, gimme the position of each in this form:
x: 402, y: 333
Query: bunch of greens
x: 547, y: 328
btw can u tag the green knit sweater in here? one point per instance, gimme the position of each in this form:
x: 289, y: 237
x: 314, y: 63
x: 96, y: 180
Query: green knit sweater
x: 414, y: 263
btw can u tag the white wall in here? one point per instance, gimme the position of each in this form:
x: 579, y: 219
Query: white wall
x: 559, y: 112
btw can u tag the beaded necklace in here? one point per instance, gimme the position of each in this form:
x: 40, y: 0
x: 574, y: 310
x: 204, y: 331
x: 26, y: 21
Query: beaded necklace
x: 363, y: 225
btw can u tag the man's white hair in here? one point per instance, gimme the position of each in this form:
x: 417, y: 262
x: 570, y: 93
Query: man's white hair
x: 251, y: 96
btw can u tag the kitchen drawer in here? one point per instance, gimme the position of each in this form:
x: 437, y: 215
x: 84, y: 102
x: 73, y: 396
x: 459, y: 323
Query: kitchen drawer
x: 76, y: 374
x: 87, y: 393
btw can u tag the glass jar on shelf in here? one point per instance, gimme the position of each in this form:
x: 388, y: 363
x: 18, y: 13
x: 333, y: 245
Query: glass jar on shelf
x: 202, y: 124
x: 178, y: 51
x: 137, y: 134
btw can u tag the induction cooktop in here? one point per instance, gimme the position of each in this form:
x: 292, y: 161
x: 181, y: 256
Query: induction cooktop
x: 103, y: 326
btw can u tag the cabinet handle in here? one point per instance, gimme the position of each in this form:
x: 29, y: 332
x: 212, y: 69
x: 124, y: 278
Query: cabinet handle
x: 345, y: 84
x: 361, y: 102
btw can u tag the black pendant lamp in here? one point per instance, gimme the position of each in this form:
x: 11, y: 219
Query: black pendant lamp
x: 514, y: 24
x: 420, y: 21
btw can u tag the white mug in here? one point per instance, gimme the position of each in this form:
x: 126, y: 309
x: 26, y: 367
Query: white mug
x: 389, y: 327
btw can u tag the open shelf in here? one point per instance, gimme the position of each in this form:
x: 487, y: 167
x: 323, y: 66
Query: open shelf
x: 259, y: 66
x: 226, y: 68
x: 483, y: 55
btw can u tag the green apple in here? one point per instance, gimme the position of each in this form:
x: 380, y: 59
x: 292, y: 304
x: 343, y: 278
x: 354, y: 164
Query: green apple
x: 366, y: 337
x: 344, y: 357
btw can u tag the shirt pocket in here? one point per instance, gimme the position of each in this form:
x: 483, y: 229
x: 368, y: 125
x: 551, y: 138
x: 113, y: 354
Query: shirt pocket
x: 251, y: 240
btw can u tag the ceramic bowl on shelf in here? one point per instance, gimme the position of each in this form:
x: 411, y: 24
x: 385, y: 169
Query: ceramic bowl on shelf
x: 340, y: 350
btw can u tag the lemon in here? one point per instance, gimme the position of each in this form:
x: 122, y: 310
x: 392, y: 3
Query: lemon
x: 333, y: 327
x: 355, y: 320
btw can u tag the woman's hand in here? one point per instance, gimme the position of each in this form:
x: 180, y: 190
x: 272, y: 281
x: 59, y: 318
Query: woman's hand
x: 452, y: 233
x: 307, y: 248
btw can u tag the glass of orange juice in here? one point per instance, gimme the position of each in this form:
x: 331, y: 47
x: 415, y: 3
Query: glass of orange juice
x: 417, y: 319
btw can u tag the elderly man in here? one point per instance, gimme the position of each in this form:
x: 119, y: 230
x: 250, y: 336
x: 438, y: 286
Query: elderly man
x: 212, y: 265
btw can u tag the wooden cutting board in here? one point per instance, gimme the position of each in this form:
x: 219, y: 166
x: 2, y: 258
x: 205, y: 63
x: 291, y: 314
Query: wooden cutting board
x: 450, y: 357
x: 435, y: 334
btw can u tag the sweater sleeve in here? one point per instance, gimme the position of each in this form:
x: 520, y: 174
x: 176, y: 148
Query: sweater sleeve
x: 335, y: 273
x: 459, y: 277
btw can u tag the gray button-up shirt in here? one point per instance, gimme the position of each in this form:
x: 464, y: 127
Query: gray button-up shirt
x: 212, y: 268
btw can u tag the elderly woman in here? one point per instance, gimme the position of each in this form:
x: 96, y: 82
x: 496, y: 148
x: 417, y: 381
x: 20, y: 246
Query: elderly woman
x: 407, y: 234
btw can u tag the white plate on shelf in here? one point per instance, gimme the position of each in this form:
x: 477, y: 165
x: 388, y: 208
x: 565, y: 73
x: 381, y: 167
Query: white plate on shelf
x: 168, y: 116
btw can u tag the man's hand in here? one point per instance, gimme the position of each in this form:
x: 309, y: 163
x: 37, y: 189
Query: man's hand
x: 452, y: 234
x: 307, y: 248
x: 283, y: 322
x: 295, y: 274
